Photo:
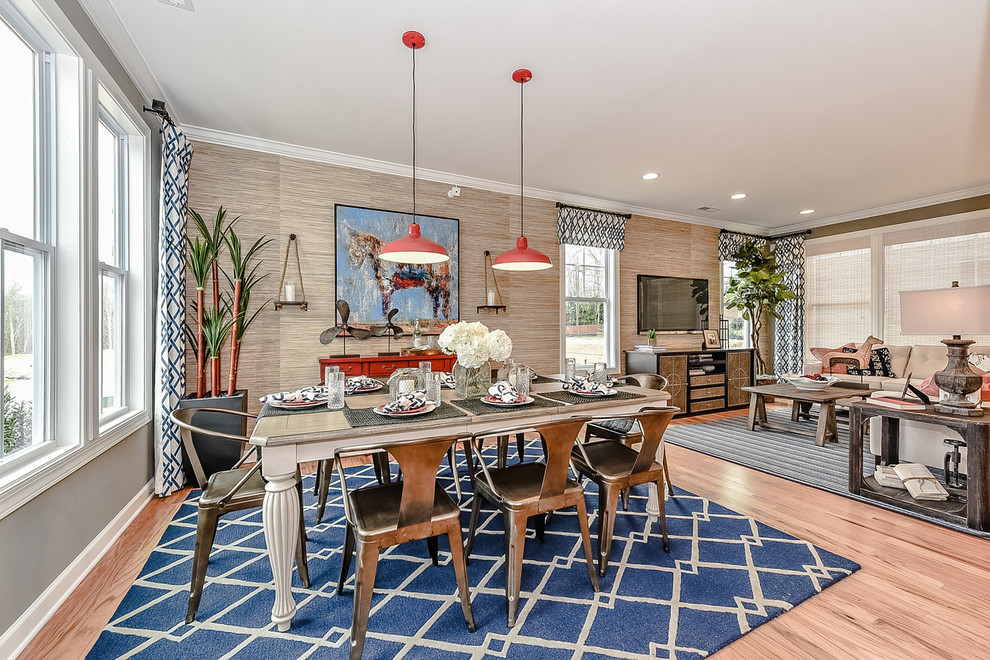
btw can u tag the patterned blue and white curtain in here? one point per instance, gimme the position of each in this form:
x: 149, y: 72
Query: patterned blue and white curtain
x: 590, y: 228
x: 171, y: 367
x: 788, y: 350
x: 729, y: 243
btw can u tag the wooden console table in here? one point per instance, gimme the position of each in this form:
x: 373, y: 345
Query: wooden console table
x: 971, y: 507
x: 720, y: 388
x: 383, y: 366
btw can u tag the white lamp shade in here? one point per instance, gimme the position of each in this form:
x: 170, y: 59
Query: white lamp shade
x: 963, y: 310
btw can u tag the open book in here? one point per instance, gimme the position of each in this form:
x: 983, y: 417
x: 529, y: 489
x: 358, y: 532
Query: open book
x: 919, y: 482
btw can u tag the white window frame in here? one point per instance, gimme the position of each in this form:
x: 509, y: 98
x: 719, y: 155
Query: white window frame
x: 118, y: 272
x: 611, y: 301
x: 724, y: 280
x: 80, y: 83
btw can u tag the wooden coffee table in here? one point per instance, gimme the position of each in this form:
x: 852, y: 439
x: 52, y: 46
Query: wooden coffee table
x: 826, y: 430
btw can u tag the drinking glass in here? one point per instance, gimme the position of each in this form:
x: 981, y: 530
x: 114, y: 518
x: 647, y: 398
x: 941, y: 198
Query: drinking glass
x: 505, y: 371
x: 522, y: 380
x: 332, y: 368
x: 433, y: 387
x: 335, y: 390
x: 426, y: 367
x: 570, y: 364
x: 600, y: 374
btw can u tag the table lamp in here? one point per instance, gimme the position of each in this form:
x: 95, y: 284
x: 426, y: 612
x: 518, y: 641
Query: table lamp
x: 956, y: 311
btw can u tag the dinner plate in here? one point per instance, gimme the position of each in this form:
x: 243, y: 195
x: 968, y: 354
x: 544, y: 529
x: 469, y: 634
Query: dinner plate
x: 593, y: 395
x: 373, y: 388
x: 293, y: 405
x: 521, y: 401
x: 429, y: 407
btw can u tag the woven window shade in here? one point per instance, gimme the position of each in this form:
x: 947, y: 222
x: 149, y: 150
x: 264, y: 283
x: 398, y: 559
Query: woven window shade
x: 838, y: 292
x: 932, y: 258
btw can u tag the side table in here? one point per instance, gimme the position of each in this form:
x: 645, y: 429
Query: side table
x: 970, y: 507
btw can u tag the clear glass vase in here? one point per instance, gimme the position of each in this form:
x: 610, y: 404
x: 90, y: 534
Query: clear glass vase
x: 471, y: 382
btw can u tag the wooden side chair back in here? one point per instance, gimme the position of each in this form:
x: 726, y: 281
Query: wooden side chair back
x: 616, y: 468
x: 225, y: 491
x: 860, y: 359
x: 523, y: 490
x: 383, y: 515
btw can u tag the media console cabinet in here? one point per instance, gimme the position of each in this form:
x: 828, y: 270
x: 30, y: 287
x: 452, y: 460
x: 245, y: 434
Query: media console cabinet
x: 719, y: 389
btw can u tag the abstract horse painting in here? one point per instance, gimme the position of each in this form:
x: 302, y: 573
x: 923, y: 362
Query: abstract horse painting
x: 373, y: 286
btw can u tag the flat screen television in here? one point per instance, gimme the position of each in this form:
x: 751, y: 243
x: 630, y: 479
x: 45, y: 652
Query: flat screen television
x: 671, y: 304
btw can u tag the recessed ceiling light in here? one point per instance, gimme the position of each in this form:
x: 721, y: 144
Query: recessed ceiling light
x: 649, y: 176
x: 738, y: 196
x: 807, y: 211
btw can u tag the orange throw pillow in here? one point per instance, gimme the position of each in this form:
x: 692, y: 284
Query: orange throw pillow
x: 820, y: 354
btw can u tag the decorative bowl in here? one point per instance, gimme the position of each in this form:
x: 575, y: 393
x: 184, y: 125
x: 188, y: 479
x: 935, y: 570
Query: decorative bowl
x: 803, y: 383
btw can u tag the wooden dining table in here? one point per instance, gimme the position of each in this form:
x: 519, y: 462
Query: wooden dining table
x: 291, y: 439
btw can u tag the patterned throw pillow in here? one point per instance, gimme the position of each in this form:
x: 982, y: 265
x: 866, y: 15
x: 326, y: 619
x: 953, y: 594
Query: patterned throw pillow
x: 820, y: 354
x: 879, y: 365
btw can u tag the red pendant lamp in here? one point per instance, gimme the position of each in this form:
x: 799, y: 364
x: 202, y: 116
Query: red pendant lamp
x: 414, y: 248
x: 522, y: 257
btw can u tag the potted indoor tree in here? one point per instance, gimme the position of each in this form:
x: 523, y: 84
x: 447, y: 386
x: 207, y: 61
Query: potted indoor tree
x: 756, y: 290
x: 224, y: 323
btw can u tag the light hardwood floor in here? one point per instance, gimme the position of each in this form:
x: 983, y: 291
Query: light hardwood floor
x: 923, y: 591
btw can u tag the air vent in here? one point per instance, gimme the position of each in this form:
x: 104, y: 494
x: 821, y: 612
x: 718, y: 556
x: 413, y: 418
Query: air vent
x: 710, y: 209
x: 181, y: 4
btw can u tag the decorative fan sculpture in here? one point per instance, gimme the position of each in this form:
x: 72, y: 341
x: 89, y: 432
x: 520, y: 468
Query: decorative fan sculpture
x: 343, y: 329
x: 389, y: 330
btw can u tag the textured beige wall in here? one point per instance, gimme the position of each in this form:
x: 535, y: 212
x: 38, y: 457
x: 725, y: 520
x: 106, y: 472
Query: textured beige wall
x: 277, y: 196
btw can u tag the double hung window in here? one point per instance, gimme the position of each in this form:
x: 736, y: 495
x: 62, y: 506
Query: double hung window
x: 589, y: 314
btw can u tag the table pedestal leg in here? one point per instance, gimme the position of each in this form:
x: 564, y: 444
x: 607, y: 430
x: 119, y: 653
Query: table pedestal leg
x: 826, y: 422
x: 753, y: 404
x: 280, y: 519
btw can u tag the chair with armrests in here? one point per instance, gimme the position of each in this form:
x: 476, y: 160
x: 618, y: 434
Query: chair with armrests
x: 530, y: 489
x: 225, y: 491
x: 614, y: 467
x: 380, y: 516
x: 627, y: 429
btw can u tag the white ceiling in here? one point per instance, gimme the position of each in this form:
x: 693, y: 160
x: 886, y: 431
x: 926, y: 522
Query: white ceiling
x: 843, y: 106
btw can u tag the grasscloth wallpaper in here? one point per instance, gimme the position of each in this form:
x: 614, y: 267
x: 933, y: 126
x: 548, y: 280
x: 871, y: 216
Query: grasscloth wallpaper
x: 277, y: 196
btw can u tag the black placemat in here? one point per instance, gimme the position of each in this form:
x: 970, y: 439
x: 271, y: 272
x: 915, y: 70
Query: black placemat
x: 478, y: 407
x: 542, y: 380
x: 368, y: 417
x: 268, y: 410
x: 567, y: 397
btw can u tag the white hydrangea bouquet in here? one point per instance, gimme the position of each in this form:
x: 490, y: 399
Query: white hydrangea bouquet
x: 474, y: 346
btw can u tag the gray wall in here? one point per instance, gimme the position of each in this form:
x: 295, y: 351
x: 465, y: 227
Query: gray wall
x: 40, y: 539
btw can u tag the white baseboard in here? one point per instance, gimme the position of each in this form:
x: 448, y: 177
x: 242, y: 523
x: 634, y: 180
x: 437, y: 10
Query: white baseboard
x: 41, y: 610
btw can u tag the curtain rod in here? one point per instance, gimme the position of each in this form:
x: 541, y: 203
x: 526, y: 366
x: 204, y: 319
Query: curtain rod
x: 766, y: 238
x: 561, y: 205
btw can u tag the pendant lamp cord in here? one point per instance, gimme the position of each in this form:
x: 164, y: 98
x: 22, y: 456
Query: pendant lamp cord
x: 414, y: 132
x: 522, y: 224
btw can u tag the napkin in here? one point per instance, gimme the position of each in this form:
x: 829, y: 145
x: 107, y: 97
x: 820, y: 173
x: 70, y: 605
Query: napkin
x: 313, y: 393
x: 446, y: 380
x: 504, y: 391
x: 355, y: 383
x: 408, y: 401
x: 609, y: 381
x: 586, y: 385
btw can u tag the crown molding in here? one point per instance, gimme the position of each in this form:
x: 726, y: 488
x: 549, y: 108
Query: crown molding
x: 884, y: 210
x: 223, y: 138
x: 109, y: 24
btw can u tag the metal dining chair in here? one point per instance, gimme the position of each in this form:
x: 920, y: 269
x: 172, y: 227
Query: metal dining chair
x: 626, y: 429
x: 530, y: 489
x: 225, y: 491
x: 614, y: 467
x: 380, y: 516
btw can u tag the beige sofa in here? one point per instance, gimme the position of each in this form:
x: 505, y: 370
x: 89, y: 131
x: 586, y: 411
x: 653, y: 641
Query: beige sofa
x: 918, y: 443
x: 921, y: 361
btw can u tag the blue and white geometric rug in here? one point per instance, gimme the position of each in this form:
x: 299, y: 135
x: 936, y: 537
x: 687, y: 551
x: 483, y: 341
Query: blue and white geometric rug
x: 725, y: 575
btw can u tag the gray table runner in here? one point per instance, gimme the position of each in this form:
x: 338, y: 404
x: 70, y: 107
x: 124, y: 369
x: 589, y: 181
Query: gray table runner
x: 478, y: 407
x: 368, y: 417
x: 567, y: 397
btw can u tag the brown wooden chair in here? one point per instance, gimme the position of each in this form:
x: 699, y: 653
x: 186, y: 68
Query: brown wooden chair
x: 626, y: 430
x: 614, y: 467
x: 523, y: 490
x: 385, y: 515
x: 225, y: 491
